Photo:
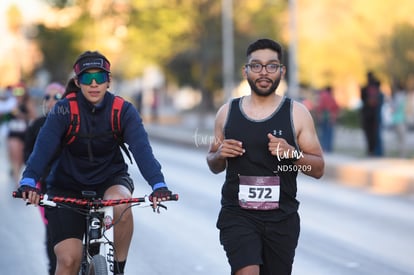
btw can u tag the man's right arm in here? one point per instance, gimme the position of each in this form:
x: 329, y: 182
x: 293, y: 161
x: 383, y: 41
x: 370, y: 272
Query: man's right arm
x: 215, y: 162
x: 222, y: 148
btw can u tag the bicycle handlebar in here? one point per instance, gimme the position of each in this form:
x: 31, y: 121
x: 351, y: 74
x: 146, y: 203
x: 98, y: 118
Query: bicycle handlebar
x: 51, y: 201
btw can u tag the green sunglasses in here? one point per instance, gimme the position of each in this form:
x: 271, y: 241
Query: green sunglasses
x: 100, y: 77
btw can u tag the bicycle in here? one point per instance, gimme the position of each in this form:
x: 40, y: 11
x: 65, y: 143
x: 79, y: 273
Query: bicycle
x: 98, y: 249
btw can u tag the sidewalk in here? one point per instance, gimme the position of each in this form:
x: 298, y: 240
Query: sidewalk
x: 347, y: 165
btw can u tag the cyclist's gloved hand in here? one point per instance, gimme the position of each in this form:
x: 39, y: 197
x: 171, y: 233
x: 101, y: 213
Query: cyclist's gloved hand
x: 161, y: 192
x: 28, y: 184
x: 28, y: 190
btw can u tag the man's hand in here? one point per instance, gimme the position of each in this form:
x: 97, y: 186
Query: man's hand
x: 30, y: 193
x: 231, y: 148
x: 281, y: 149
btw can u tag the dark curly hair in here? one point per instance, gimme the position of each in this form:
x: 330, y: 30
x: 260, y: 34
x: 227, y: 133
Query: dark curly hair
x: 265, y: 43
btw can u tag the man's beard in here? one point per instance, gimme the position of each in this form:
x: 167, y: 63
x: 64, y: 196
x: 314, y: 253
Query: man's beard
x: 265, y: 93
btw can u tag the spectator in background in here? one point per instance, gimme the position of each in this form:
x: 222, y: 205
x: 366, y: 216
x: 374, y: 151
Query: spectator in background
x: 155, y: 105
x: 53, y: 93
x: 138, y: 101
x: 379, y: 146
x: 20, y: 117
x: 307, y: 103
x: 371, y: 116
x: 327, y: 110
x: 7, y: 103
x: 398, y: 119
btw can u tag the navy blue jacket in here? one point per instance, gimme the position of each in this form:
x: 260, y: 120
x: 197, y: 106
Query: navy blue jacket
x: 94, y: 156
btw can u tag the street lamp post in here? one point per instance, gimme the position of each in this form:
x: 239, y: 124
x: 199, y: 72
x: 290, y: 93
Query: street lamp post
x: 293, y: 87
x: 228, y: 48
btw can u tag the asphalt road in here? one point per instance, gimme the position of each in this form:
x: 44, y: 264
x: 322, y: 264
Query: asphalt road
x: 344, y: 230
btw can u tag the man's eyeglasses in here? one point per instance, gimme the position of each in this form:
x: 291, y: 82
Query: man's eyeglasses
x: 270, y: 68
x: 100, y: 77
x: 55, y: 97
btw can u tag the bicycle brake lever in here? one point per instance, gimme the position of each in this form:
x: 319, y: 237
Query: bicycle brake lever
x: 158, y: 207
x: 47, y: 202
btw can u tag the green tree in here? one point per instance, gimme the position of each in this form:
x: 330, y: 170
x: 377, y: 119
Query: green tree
x: 339, y: 41
x: 183, y: 37
x: 200, y: 65
x: 156, y: 31
x: 132, y: 34
x: 58, y: 51
x: 399, y: 58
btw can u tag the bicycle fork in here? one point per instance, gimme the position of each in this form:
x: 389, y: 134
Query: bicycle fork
x: 101, y: 236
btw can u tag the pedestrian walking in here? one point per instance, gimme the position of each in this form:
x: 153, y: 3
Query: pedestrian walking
x: 327, y: 113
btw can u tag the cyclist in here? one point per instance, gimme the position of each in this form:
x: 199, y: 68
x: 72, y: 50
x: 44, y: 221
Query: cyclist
x: 93, y: 161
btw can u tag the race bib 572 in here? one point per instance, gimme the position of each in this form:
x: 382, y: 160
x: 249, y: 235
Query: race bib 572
x: 259, y: 193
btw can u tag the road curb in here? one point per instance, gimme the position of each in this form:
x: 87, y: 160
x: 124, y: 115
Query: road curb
x: 384, y: 176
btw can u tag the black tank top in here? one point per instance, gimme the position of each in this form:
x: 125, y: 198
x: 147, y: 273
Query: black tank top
x: 257, y: 160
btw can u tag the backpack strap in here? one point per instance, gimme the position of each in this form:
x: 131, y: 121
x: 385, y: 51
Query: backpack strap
x: 116, y: 124
x: 74, y: 125
x: 116, y: 116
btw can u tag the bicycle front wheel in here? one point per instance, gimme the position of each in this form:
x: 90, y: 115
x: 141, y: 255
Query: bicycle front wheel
x: 97, y: 266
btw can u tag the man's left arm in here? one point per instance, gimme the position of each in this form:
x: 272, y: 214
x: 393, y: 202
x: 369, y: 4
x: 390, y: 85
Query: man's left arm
x: 308, y: 142
x: 136, y: 137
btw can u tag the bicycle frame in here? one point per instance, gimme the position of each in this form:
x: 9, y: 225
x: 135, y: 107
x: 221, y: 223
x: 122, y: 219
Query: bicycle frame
x: 98, y: 245
x: 100, y: 220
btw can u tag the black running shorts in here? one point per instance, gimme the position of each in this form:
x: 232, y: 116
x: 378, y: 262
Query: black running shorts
x: 249, y: 241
